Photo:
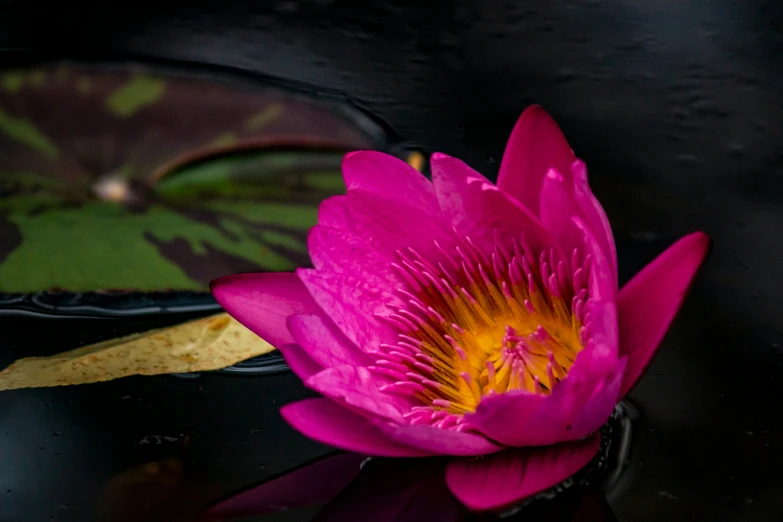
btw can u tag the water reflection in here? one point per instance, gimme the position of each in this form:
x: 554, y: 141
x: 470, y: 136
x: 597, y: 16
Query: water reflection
x: 348, y: 487
x: 351, y: 487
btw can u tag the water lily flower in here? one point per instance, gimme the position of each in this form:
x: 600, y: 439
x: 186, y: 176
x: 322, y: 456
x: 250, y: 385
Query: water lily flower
x: 462, y: 318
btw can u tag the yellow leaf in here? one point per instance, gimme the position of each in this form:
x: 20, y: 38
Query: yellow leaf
x: 205, y: 344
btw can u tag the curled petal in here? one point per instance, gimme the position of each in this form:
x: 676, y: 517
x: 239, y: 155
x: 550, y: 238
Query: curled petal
x: 648, y: 303
x: 263, y: 302
x: 326, y: 422
x: 535, y: 146
x: 504, y: 479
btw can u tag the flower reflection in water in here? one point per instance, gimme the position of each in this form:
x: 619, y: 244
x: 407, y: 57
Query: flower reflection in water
x: 351, y: 487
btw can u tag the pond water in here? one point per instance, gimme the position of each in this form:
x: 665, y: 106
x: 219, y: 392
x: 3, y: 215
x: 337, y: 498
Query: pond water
x: 674, y: 106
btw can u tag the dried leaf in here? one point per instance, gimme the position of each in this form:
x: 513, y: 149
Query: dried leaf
x: 204, y: 344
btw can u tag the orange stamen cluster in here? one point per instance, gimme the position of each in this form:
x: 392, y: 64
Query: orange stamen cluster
x: 473, y: 325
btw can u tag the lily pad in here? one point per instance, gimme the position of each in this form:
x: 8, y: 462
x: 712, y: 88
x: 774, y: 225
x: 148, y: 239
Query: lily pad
x: 127, y: 189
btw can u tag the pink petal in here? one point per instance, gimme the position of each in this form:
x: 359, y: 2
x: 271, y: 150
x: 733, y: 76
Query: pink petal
x: 440, y: 441
x: 593, y: 213
x: 396, y: 490
x: 601, y: 352
x: 324, y: 342
x: 388, y: 177
x: 333, y: 212
x: 479, y: 210
x: 648, y: 303
x: 504, y: 479
x: 535, y: 146
x: 314, y: 483
x: 603, y: 281
x: 563, y: 199
x: 343, y: 252
x: 392, y: 225
x: 262, y: 302
x: 354, y: 305
x: 599, y: 406
x: 557, y: 208
x: 519, y: 418
x: 577, y: 407
x: 326, y: 422
x: 359, y: 390
x: 299, y: 361
x: 603, y: 344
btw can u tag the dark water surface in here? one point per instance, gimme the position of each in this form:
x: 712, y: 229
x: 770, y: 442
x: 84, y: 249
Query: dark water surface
x: 676, y: 108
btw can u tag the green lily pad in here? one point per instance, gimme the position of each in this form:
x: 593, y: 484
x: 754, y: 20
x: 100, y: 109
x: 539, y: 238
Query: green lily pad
x: 131, y: 180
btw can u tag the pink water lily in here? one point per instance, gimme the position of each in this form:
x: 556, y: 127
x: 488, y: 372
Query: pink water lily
x: 458, y: 317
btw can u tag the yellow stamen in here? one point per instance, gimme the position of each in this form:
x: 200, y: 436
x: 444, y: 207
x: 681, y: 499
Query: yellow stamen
x: 513, y: 326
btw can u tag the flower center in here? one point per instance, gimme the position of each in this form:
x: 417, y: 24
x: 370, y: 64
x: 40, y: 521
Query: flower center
x: 475, y: 325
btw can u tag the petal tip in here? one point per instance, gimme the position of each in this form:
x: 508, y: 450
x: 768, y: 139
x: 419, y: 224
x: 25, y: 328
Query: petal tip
x: 370, y: 156
x: 438, y: 158
x: 358, y: 154
x: 224, y: 287
x: 534, y: 108
x: 704, y: 240
x: 554, y: 175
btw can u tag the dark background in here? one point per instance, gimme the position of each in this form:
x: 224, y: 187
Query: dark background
x: 675, y: 105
